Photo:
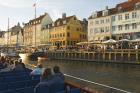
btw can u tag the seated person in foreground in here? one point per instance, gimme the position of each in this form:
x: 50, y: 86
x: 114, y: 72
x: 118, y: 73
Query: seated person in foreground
x: 46, y: 76
x: 50, y: 83
x: 38, y: 71
x: 19, y: 66
x: 58, y: 73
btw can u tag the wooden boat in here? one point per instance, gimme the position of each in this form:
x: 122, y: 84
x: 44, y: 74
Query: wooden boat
x: 43, y: 58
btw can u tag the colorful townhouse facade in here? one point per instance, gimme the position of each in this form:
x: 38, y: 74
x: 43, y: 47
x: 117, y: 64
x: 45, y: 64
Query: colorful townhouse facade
x: 33, y: 30
x: 65, y: 32
x: 121, y: 22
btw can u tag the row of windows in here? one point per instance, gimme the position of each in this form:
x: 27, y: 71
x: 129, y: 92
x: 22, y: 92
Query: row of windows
x: 102, y: 21
x: 57, y: 35
x: 126, y: 27
x: 126, y: 16
x: 63, y: 43
x: 100, y: 30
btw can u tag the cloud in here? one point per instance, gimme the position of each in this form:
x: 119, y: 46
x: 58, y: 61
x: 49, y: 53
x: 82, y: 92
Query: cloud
x: 16, y: 3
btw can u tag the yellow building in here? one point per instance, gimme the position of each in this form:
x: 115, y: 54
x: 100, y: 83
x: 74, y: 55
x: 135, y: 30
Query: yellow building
x: 65, y: 32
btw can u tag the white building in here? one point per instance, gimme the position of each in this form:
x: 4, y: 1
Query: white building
x: 120, y: 22
x: 126, y: 21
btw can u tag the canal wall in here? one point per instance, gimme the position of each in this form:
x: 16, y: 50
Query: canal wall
x: 119, y: 56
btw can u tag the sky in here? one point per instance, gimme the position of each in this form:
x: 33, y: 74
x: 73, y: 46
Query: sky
x: 22, y: 10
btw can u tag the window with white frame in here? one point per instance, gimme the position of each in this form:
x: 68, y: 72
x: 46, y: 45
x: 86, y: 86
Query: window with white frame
x: 107, y: 20
x: 113, y: 18
x: 120, y: 27
x: 96, y: 22
x: 119, y: 17
x: 134, y: 14
x: 102, y: 21
x: 113, y: 28
x: 134, y: 26
x: 127, y: 27
x: 126, y: 16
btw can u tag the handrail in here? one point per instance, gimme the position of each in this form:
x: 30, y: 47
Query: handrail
x: 97, y: 83
x: 103, y: 85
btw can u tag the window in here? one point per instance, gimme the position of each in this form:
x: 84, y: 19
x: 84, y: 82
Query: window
x: 102, y: 30
x: 107, y: 29
x: 113, y: 18
x: 137, y: 6
x: 107, y: 20
x: 134, y: 15
x: 119, y: 17
x: 68, y: 34
x: 113, y: 28
x: 68, y: 27
x: 91, y: 30
x: 126, y: 16
x: 64, y: 22
x: 91, y: 23
x: 96, y: 22
x: 77, y: 29
x: 120, y: 27
x: 63, y: 34
x: 63, y: 42
x: 134, y: 26
x: 102, y: 21
x: 96, y: 30
x: 127, y: 27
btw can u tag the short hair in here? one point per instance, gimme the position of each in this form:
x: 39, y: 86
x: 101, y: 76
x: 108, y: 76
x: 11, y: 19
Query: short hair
x: 40, y: 66
x: 56, y: 69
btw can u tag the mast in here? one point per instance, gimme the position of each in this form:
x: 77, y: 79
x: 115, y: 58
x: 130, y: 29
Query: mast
x: 35, y: 24
x: 8, y: 35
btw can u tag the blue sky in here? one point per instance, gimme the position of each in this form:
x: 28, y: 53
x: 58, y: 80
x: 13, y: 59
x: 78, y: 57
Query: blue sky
x: 23, y: 10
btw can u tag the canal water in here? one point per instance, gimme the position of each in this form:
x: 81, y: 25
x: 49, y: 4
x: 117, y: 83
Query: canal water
x: 122, y: 76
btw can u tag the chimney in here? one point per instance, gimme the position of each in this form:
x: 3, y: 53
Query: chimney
x: 106, y: 7
x: 64, y: 15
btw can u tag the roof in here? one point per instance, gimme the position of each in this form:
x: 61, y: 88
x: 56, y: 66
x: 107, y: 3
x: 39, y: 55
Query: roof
x: 60, y: 20
x: 37, y: 19
x: 125, y: 7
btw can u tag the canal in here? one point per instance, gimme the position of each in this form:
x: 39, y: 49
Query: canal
x: 122, y: 76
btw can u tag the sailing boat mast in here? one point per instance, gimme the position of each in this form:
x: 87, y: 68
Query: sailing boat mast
x: 8, y: 35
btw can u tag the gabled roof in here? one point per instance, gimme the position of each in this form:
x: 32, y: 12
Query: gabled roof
x: 60, y: 20
x: 125, y: 7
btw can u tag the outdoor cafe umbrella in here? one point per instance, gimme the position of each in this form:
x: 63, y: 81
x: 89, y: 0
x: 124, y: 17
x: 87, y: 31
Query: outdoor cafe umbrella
x: 136, y: 40
x: 123, y: 40
x: 110, y: 41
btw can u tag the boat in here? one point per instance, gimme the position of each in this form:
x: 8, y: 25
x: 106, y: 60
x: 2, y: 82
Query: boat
x: 43, y: 58
x: 34, y: 56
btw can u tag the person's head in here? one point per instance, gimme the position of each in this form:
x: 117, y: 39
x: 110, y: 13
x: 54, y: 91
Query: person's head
x: 16, y: 62
x: 40, y: 66
x: 47, y: 72
x: 20, y: 60
x: 56, y: 69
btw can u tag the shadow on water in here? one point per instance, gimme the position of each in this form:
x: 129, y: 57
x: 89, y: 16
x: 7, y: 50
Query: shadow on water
x: 123, y: 76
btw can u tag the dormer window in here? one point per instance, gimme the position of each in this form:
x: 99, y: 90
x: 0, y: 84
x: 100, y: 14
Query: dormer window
x: 58, y: 23
x: 120, y: 9
x: 137, y: 5
x: 52, y: 24
x: 94, y: 15
x: 105, y: 12
x: 64, y: 22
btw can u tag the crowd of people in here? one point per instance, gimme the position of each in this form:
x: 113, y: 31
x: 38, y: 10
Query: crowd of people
x: 47, y: 78
x: 46, y: 75
x: 10, y: 64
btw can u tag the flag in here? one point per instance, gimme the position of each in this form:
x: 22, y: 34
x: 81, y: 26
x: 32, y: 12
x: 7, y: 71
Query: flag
x: 34, y: 5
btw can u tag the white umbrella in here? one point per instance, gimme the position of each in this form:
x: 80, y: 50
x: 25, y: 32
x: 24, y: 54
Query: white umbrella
x: 124, y: 40
x: 136, y: 40
x: 110, y: 41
